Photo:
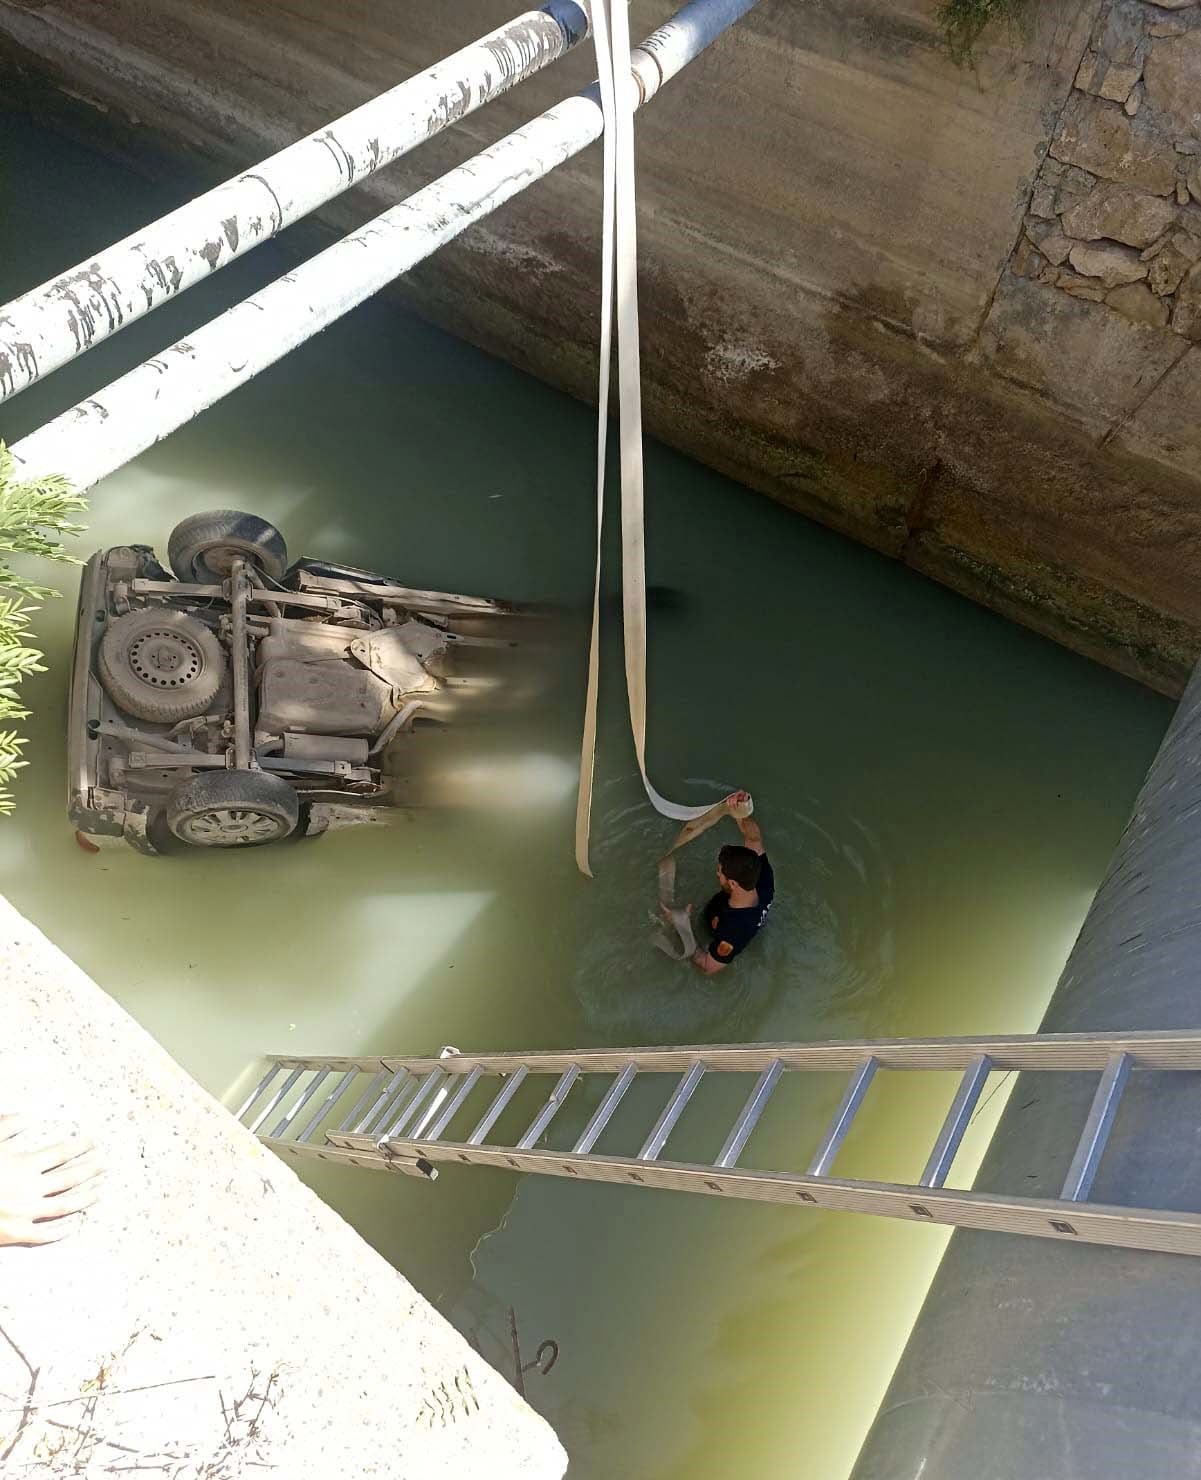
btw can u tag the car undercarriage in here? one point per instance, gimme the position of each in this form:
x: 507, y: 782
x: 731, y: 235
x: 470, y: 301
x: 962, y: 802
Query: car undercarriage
x: 238, y: 700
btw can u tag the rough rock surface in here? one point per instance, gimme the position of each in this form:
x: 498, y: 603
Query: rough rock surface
x: 1098, y: 136
x: 1136, y: 301
x: 1170, y: 263
x: 1121, y: 214
x: 212, y: 1317
x: 1186, y: 312
x: 1116, y: 180
x: 1173, y: 82
x: 1108, y: 261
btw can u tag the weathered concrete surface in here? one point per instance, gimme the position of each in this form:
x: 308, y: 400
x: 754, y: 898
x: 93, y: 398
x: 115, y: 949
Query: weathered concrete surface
x: 840, y: 304
x: 212, y: 1317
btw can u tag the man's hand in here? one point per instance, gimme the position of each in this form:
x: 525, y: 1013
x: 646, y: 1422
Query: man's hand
x: 739, y: 804
x: 43, y: 1182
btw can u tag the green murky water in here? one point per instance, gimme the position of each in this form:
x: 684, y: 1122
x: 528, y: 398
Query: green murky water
x: 940, y: 792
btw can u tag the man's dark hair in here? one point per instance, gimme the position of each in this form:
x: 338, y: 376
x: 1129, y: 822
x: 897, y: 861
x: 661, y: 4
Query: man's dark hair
x: 741, y: 865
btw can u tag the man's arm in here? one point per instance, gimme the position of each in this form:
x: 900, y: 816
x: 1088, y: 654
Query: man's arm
x: 752, y: 833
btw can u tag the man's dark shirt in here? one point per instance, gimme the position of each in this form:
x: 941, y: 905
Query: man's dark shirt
x: 733, y: 930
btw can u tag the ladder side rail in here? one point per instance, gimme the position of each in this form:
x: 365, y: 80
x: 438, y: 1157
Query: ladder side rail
x: 340, y: 1062
x: 1091, y: 1146
x: 1053, y: 1052
x: 1094, y: 1223
x: 958, y: 1118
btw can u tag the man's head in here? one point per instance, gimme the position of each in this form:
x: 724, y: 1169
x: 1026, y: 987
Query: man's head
x: 738, y: 865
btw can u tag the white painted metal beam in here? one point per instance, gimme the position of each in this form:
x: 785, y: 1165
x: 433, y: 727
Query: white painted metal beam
x: 66, y: 316
x: 101, y: 434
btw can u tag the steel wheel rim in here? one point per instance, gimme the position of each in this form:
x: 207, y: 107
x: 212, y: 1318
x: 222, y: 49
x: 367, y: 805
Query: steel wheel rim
x: 165, y: 659
x: 230, y: 827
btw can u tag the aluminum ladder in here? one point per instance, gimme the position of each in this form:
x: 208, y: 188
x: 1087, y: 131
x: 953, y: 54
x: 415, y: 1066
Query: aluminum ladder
x: 396, y: 1114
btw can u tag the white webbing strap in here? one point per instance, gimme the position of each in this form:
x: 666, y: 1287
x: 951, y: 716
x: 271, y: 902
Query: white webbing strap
x: 619, y: 278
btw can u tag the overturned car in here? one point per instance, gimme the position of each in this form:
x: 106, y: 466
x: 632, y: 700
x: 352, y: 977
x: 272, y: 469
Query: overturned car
x: 237, y: 699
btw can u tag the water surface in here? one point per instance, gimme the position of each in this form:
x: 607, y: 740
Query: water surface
x: 940, y: 792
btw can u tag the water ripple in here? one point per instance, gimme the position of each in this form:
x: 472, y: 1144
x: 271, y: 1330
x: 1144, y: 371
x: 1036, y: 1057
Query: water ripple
x: 817, y: 968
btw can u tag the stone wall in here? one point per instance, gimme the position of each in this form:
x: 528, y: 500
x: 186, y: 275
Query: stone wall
x: 1114, y: 215
x: 874, y: 283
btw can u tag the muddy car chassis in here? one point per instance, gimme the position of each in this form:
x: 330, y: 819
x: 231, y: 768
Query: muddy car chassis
x: 237, y: 700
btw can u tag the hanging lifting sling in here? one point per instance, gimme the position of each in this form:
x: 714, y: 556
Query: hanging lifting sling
x: 619, y: 289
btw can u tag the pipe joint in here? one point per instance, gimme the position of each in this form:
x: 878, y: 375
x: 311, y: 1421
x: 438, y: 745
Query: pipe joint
x: 571, y: 19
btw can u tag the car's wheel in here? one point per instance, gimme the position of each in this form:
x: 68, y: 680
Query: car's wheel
x: 202, y: 548
x: 232, y: 809
x: 160, y: 665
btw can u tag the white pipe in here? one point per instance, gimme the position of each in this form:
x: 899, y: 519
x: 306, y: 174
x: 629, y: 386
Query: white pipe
x: 106, y: 431
x: 62, y: 318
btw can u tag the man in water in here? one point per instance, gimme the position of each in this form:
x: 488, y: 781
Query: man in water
x: 735, y: 914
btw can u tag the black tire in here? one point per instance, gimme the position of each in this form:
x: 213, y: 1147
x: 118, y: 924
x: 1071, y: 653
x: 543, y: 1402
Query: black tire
x: 202, y: 547
x: 160, y: 665
x: 232, y: 809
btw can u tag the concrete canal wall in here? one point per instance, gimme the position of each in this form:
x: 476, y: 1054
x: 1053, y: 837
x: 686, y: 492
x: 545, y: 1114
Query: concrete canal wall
x: 212, y: 1316
x: 1033, y: 1359
x: 949, y: 310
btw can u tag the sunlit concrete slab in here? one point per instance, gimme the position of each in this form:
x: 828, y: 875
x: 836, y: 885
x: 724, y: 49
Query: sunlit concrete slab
x: 211, y: 1314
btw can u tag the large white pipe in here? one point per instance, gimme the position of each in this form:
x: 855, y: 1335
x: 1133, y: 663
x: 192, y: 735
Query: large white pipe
x: 62, y: 318
x: 101, y: 434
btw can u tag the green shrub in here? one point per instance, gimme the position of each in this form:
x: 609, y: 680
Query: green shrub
x: 32, y: 513
x: 964, y: 21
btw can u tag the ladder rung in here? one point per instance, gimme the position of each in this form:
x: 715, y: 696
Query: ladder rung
x: 409, y: 1115
x: 327, y: 1104
x: 748, y: 1119
x: 400, y: 1084
x: 959, y: 1116
x: 374, y: 1085
x: 422, y: 1124
x: 550, y: 1109
x: 275, y: 1100
x: 450, y: 1109
x: 604, y: 1111
x: 1079, y: 1181
x: 860, y: 1081
x: 258, y: 1090
x: 507, y: 1090
x: 311, y: 1089
x: 671, y: 1112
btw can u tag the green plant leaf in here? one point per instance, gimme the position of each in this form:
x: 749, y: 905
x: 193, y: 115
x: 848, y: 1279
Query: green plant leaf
x: 35, y: 518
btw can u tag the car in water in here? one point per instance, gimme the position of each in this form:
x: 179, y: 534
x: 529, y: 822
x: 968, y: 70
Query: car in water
x: 237, y: 699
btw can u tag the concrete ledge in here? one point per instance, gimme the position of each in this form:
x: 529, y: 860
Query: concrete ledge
x: 212, y: 1317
